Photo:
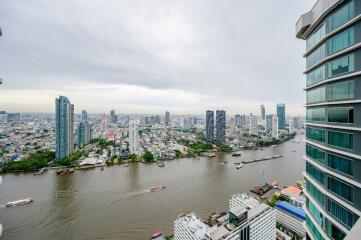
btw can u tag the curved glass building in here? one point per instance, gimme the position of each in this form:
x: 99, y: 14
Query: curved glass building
x: 332, y: 30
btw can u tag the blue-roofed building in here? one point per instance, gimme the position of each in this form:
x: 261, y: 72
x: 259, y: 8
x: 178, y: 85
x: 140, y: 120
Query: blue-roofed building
x: 291, y: 217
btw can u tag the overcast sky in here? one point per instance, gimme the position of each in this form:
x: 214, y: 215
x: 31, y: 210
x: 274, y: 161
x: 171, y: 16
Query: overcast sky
x: 149, y: 56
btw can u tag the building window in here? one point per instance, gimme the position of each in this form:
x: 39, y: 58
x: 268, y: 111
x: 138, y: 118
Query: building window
x: 316, y: 234
x: 340, y: 188
x: 316, y: 95
x: 316, y: 37
x: 316, y: 75
x: 341, y: 41
x: 341, y: 65
x: 314, y: 211
x: 342, y: 214
x: 333, y: 232
x: 316, y: 114
x: 340, y: 139
x: 315, y: 153
x: 316, y: 56
x: 340, y: 114
x: 315, y: 173
x: 315, y: 134
x: 343, y: 90
x: 315, y: 193
x: 340, y: 16
x: 340, y: 164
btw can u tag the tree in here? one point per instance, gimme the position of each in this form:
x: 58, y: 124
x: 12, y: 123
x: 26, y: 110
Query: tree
x: 32, y: 163
x: 133, y: 157
x: 178, y: 153
x: 148, y: 156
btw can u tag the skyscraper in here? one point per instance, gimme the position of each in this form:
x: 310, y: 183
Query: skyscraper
x: 263, y: 112
x: 221, y: 127
x: 253, y: 125
x: 167, y: 118
x: 333, y: 138
x: 84, y: 133
x: 291, y: 126
x: 209, y: 126
x: 113, y: 117
x: 64, y: 127
x: 134, y: 137
x: 237, y: 120
x: 274, y: 130
x: 281, y: 114
x: 84, y: 115
x: 269, y: 122
x: 103, y: 123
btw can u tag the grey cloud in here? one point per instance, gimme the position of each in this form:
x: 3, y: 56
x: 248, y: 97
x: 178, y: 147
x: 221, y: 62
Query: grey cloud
x: 244, y: 49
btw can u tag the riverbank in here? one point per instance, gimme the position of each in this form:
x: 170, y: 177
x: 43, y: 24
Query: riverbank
x: 40, y: 160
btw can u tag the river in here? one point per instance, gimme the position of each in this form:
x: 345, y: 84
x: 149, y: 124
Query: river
x: 116, y: 203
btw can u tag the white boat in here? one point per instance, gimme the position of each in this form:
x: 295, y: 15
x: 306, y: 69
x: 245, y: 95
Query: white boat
x: 19, y: 202
x: 239, y: 166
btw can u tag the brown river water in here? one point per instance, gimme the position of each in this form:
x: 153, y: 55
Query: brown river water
x: 116, y: 203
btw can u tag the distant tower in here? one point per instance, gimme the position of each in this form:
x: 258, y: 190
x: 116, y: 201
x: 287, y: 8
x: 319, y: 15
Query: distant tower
x: 263, y: 112
x: 221, y: 127
x: 84, y: 133
x: 238, y: 120
x: 84, y: 115
x: 113, y: 117
x: 253, y: 129
x: 291, y: 126
x: 134, y: 137
x: 281, y: 114
x: 274, y: 129
x: 64, y: 127
x: 209, y: 126
x: 167, y: 118
x: 103, y: 123
x: 269, y: 122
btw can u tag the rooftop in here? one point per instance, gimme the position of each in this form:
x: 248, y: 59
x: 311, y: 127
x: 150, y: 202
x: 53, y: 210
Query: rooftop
x: 243, y: 200
x: 254, y: 212
x: 89, y: 161
x: 194, y: 224
x: 292, y: 191
x: 218, y: 233
x: 311, y: 18
x: 291, y: 209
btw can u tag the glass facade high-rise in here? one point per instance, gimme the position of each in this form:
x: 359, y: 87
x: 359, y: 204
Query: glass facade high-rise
x: 84, y: 133
x: 269, y: 123
x: 332, y: 30
x: 210, y: 126
x: 281, y: 114
x: 113, y: 117
x: 221, y: 127
x: 64, y: 127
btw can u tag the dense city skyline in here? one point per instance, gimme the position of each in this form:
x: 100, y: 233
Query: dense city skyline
x: 149, y: 57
